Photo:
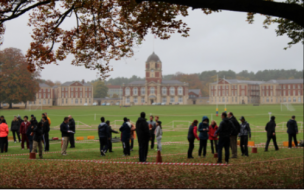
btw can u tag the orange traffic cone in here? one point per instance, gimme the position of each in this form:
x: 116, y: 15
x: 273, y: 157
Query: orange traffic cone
x: 33, y: 155
x: 158, y: 157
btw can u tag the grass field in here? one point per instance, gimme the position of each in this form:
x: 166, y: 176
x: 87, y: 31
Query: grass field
x: 273, y: 169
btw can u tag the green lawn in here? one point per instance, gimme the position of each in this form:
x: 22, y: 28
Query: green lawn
x: 274, y: 169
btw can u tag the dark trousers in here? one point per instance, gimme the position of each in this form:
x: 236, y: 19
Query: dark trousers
x: 224, y: 142
x: 215, y: 144
x: 24, y: 139
x: 191, y: 147
x: 132, y: 143
x: 15, y: 136
x: 3, y: 144
x: 46, y: 142
x: 31, y: 145
x: 294, y: 136
x: 143, y: 150
x: 244, y: 145
x: 273, y: 137
x: 109, y: 145
x: 103, y: 144
x: 152, y: 140
x: 72, y: 139
x: 203, y: 145
x: 126, y: 147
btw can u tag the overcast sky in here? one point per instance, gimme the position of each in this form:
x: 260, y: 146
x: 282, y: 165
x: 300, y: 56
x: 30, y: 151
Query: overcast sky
x: 219, y: 41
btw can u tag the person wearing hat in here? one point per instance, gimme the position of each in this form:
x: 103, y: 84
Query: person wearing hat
x: 243, y: 135
x: 270, y: 129
x: 125, y: 137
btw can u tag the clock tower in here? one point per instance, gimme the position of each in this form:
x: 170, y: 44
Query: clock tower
x: 153, y: 69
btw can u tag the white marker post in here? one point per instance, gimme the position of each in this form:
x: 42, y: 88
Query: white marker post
x: 269, y: 115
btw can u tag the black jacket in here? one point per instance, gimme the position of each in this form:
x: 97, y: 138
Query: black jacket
x: 225, y: 129
x: 270, y: 127
x: 142, y: 130
x: 64, y: 130
x: 15, y: 125
x: 103, y: 130
x: 237, y: 126
x: 125, y: 132
x: 72, y: 125
x: 38, y: 132
x: 46, y: 127
x: 292, y: 127
x: 110, y: 130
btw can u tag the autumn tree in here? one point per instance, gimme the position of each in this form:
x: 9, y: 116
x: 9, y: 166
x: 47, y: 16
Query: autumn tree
x: 108, y: 29
x: 115, y: 96
x: 17, y: 83
x: 100, y: 90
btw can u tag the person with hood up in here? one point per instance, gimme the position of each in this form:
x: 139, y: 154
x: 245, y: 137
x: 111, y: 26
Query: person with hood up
x: 213, y: 139
x: 159, y: 134
x: 235, y: 132
x: 192, y: 135
x: 37, y: 131
x: 104, y: 136
x: 3, y: 136
x: 292, y: 130
x: 243, y: 135
x: 125, y: 136
x: 203, y: 128
x: 224, y: 131
x: 15, y: 126
x: 72, y: 128
x: 270, y: 129
x: 23, y: 128
x: 143, y: 136
x: 109, y: 142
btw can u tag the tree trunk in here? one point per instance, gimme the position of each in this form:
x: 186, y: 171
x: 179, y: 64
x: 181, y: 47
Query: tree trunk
x: 293, y: 12
x: 10, y: 105
x: 25, y: 105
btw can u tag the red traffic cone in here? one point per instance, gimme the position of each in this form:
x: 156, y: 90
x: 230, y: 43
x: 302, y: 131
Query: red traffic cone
x: 215, y: 155
x: 254, y: 150
x: 158, y: 157
x: 33, y: 155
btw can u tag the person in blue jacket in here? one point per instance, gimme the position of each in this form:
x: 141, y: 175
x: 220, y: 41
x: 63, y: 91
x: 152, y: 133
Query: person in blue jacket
x: 125, y: 137
x: 203, y: 128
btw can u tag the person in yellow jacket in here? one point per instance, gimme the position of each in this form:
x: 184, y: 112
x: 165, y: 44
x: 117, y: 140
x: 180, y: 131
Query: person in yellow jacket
x: 49, y: 120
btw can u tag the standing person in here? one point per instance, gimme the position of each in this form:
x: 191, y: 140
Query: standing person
x: 152, y: 127
x: 243, y: 135
x: 23, y: 128
x: 29, y: 133
x: 3, y: 136
x: 72, y: 128
x: 132, y: 135
x: 109, y: 141
x: 143, y: 136
x: 2, y: 119
x: 104, y: 136
x: 15, y: 126
x: 158, y: 134
x: 48, y: 119
x: 224, y: 131
x: 213, y: 138
x: 203, y: 128
x: 270, y: 129
x: 37, y: 130
x: 292, y: 130
x: 192, y: 135
x: 46, y: 130
x: 235, y: 132
x: 125, y: 137
x: 64, y: 128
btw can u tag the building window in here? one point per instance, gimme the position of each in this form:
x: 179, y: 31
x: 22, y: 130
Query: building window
x: 164, y: 99
x: 86, y: 101
x: 180, y: 90
x: 235, y: 99
x: 223, y: 99
x: 62, y: 94
x: 294, y: 99
x: 299, y: 99
x: 127, y: 100
x: 142, y: 100
x: 180, y: 99
x: 66, y: 101
x: 284, y: 99
x: 143, y: 90
x: 62, y: 101
x: 81, y: 101
x: 71, y: 100
x: 44, y: 101
x: 135, y: 91
x: 152, y: 90
x: 89, y: 101
x: 172, y: 91
x: 48, y: 101
x: 172, y: 99
x: 72, y: 94
x: 128, y: 91
x: 135, y: 100
x: 164, y: 90
x: 289, y: 99
x: 76, y: 101
x: 39, y: 95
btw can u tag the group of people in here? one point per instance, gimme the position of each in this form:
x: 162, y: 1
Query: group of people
x: 229, y: 131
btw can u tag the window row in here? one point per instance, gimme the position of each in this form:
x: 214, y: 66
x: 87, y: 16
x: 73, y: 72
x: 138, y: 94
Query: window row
x: 75, y: 101
x: 74, y: 89
x: 77, y: 95
x: 152, y: 91
x: 164, y: 100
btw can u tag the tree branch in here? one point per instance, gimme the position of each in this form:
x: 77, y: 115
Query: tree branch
x: 293, y: 12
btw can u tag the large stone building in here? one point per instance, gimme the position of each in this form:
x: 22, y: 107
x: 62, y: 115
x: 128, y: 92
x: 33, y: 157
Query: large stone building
x: 233, y: 91
x: 114, y: 89
x: 154, y: 89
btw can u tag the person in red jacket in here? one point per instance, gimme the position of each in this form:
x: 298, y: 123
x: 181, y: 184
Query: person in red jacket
x: 23, y: 128
x: 3, y: 136
x: 213, y: 139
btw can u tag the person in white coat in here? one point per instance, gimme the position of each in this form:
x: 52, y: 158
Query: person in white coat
x: 158, y: 134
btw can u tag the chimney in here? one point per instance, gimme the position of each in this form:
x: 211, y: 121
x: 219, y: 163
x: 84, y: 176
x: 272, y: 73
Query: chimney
x: 82, y: 81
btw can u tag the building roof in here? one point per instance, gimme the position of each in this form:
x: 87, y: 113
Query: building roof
x: 153, y: 57
x: 236, y: 81
x: 138, y: 82
x: 43, y: 85
x: 288, y: 81
x: 71, y: 82
x: 195, y: 91
x: 143, y: 82
x: 113, y: 86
